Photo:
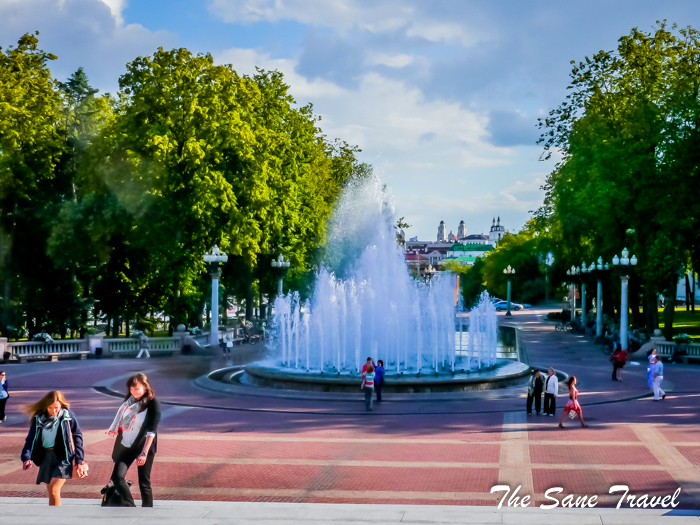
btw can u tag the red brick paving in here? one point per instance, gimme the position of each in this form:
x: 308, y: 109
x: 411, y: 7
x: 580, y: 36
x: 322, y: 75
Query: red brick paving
x: 592, y: 454
x: 298, y: 454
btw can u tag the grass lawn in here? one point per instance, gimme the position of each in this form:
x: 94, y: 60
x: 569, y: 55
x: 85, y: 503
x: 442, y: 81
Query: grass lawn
x: 684, y: 322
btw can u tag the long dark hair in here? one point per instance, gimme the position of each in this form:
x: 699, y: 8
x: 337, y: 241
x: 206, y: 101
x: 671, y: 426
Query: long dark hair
x: 140, y: 379
x: 570, y: 381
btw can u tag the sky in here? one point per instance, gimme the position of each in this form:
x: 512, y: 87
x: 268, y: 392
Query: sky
x: 442, y: 96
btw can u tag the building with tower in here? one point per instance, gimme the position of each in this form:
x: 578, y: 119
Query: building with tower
x: 442, y: 232
x: 461, y: 230
x: 461, y: 247
x: 497, y: 232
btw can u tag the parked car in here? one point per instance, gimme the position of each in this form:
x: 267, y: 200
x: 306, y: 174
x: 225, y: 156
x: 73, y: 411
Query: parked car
x: 503, y: 305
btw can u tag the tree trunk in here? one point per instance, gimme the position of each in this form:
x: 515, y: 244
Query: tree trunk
x: 635, y: 293
x: 249, y: 299
x: 651, y: 311
x: 669, y: 310
x: 687, y: 292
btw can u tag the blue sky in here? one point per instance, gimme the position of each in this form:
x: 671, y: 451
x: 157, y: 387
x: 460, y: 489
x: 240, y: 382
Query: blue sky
x: 442, y: 96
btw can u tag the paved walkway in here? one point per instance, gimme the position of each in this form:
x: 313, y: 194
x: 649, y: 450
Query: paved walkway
x: 221, y: 447
x: 21, y: 511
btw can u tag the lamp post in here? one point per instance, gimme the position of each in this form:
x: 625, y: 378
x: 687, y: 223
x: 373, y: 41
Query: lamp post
x: 598, y: 267
x: 623, y: 263
x: 282, y: 266
x: 584, y: 270
x: 214, y: 262
x: 428, y: 273
x: 509, y: 272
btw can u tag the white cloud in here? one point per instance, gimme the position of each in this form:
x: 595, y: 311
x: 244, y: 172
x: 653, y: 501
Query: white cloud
x: 340, y: 14
x: 441, y: 32
x: 85, y: 33
x: 343, y: 15
x: 116, y: 7
x: 383, y: 59
x: 435, y: 155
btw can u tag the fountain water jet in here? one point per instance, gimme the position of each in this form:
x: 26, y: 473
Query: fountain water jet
x: 366, y: 303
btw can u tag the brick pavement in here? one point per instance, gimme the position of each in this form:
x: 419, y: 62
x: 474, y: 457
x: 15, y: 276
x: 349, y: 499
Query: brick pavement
x: 246, y: 448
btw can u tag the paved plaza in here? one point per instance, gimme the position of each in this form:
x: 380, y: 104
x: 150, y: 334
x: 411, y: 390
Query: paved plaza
x: 415, y: 457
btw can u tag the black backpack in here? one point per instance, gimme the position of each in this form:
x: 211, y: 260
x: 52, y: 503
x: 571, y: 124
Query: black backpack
x: 112, y: 498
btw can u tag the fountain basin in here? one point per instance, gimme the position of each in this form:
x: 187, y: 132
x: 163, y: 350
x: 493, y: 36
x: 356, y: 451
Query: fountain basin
x: 505, y: 373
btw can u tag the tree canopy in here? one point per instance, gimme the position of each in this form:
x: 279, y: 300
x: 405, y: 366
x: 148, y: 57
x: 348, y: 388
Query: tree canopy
x: 107, y: 205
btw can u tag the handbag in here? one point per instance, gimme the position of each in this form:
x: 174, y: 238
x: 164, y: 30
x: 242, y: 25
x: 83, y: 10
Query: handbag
x: 112, y: 498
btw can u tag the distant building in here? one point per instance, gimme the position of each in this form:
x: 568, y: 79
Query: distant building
x: 463, y: 248
x: 497, y: 232
x: 442, y: 232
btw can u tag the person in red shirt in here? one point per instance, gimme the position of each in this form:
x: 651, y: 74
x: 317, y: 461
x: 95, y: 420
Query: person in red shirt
x: 370, y: 361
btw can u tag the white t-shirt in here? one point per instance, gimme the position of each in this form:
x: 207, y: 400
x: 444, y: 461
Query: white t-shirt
x: 129, y: 436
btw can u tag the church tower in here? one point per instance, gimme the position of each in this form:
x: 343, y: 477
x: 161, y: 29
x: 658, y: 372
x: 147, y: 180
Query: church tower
x: 497, y: 232
x: 442, y: 232
x: 461, y: 230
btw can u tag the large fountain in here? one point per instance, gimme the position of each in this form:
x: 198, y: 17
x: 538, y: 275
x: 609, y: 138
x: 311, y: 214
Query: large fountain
x: 366, y: 303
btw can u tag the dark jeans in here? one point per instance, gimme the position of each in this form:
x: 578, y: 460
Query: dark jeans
x: 616, y: 365
x: 378, y: 389
x: 537, y: 396
x: 368, y: 398
x: 3, y: 402
x: 123, y: 458
x: 550, y: 403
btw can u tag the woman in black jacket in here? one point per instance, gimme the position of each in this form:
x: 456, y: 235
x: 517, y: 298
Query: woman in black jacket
x: 135, y: 426
x: 54, y: 443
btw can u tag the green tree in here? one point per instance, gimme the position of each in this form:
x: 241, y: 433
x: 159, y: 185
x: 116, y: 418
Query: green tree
x: 624, y: 179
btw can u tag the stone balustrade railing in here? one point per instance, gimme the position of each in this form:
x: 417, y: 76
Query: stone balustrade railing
x: 118, y: 347
x: 115, y: 347
x: 23, y: 351
x: 666, y: 348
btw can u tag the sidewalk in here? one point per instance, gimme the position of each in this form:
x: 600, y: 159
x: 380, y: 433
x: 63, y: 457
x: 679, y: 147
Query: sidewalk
x: 438, y: 454
x: 21, y: 511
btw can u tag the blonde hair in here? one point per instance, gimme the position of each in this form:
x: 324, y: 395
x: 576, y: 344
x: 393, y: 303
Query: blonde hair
x: 45, y: 402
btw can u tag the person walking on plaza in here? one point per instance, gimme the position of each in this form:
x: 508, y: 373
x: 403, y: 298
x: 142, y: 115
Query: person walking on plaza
x: 658, y: 367
x: 4, y: 395
x: 650, y: 368
x: 572, y: 404
x: 551, y: 388
x: 379, y: 379
x: 136, y: 428
x: 227, y: 344
x: 54, y: 443
x: 143, y: 345
x: 618, y: 358
x: 534, y: 391
x: 368, y: 385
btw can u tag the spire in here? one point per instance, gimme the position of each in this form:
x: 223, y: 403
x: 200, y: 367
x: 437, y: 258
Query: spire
x: 499, y: 221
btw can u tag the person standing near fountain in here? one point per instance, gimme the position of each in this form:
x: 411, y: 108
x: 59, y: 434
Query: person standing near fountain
x: 368, y: 385
x: 379, y: 379
x: 534, y: 391
x: 551, y: 389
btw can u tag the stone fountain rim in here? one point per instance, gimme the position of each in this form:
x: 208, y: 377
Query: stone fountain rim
x: 443, y: 379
